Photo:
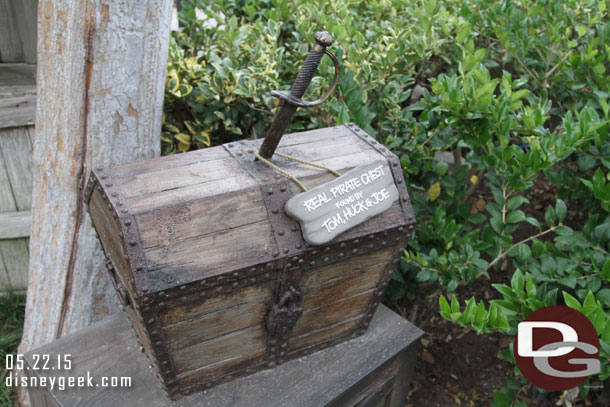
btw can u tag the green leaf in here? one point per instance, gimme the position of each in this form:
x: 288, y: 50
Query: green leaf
x: 530, y: 287
x: 455, y: 305
x: 515, y: 216
x: 445, y: 307
x: 515, y: 202
x: 571, y: 301
x: 603, y: 296
x: 469, y: 310
x: 505, y: 290
x: 560, y: 210
x: 517, y: 281
x: 464, y: 32
x: 605, y: 272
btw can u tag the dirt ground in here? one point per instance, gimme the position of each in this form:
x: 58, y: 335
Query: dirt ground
x: 457, y: 367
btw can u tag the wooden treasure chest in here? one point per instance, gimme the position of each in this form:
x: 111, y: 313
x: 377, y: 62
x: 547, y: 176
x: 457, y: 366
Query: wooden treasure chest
x: 219, y: 281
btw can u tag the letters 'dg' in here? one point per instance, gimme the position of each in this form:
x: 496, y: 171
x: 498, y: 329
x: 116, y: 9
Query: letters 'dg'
x: 552, y: 366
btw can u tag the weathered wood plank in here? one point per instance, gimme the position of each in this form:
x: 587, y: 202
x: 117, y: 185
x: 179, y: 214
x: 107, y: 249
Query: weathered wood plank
x: 17, y: 110
x: 222, y: 351
x: 322, y: 274
x: 374, y: 389
x: 325, y: 334
x: 207, y: 172
x: 15, y: 257
x: 24, y: 14
x: 110, y: 349
x: 232, y: 249
x: 345, y: 286
x: 318, y: 318
x: 247, y: 295
x: 213, y: 325
x: 16, y: 151
x: 14, y: 225
x: 187, y: 220
x: 10, y: 44
x: 17, y: 79
x: 108, y: 232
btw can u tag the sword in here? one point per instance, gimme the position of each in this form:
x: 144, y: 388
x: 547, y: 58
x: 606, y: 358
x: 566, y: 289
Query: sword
x: 292, y: 100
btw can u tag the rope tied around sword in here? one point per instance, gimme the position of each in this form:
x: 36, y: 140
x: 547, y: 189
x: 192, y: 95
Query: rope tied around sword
x: 289, y: 175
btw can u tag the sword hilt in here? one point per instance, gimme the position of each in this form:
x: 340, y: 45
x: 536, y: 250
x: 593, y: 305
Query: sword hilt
x: 292, y: 99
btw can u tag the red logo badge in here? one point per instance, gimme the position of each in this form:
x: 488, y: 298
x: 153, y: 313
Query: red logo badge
x: 557, y: 348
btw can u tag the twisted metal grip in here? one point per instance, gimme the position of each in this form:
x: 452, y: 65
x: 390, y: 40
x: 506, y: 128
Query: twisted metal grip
x: 292, y: 100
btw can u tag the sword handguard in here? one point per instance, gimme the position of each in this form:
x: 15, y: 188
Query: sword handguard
x: 292, y: 99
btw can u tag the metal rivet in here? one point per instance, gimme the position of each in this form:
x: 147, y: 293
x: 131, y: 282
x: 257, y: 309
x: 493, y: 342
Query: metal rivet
x: 99, y: 169
x: 267, y: 275
x: 252, y: 270
x: 384, y: 243
x: 108, y: 185
x: 236, y: 274
x: 326, y: 259
x: 314, y: 252
x: 312, y: 263
x: 239, y: 154
x: 327, y: 249
x: 251, y: 151
x: 341, y: 254
x: 202, y: 294
x: 219, y: 289
x: 270, y: 191
x: 114, y: 194
x: 235, y: 285
x: 271, y: 364
x: 281, y: 233
x: 288, y: 265
x: 272, y: 349
x: 395, y: 163
x: 119, y: 203
x: 342, y: 245
x: 275, y: 253
x: 355, y: 251
x: 231, y: 145
x: 253, y: 280
x: 405, y: 198
x: 299, y: 245
x: 127, y: 222
x: 283, y: 188
x: 278, y: 176
x: 399, y: 181
x: 275, y: 210
x: 371, y: 245
x: 301, y: 261
x: 294, y: 228
x: 390, y: 271
x: 123, y: 210
x: 133, y: 243
x: 182, y: 287
x: 286, y: 250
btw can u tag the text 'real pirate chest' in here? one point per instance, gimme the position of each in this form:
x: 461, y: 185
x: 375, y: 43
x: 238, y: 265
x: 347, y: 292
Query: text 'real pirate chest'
x: 218, y: 280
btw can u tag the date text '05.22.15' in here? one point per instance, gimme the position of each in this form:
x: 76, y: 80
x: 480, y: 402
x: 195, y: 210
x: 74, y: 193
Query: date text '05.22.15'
x: 334, y: 207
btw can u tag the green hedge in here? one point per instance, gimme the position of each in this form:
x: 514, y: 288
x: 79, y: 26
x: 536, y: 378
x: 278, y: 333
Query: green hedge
x: 518, y: 90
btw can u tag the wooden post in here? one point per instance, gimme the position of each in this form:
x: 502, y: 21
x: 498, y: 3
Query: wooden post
x: 101, y: 78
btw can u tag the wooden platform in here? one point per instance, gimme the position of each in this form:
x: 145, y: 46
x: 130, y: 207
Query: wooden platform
x: 372, y: 370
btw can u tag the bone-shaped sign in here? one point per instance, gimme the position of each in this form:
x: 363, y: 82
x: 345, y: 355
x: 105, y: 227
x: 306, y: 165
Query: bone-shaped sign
x: 343, y: 203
